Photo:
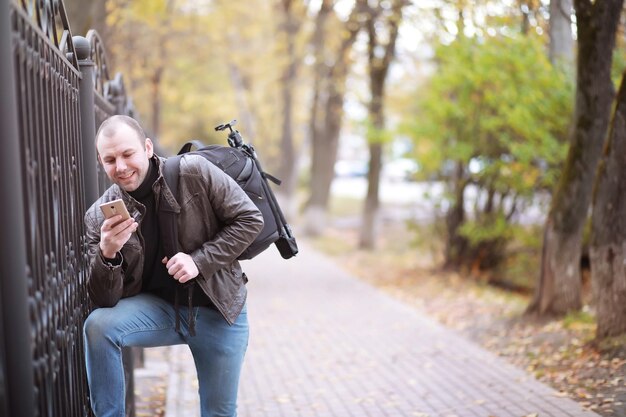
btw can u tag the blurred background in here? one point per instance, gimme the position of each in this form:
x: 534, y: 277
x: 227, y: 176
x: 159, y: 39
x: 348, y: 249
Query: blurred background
x: 466, y: 156
x: 436, y: 129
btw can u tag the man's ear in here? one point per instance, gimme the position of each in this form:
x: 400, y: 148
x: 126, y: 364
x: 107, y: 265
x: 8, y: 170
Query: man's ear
x: 149, y: 148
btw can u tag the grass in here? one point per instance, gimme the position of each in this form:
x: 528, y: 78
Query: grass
x: 345, y: 207
x: 580, y: 320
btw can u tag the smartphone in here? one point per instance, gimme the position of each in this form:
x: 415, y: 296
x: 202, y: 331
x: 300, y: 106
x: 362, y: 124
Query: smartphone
x: 113, y: 208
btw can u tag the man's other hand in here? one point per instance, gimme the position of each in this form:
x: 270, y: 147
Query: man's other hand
x: 181, y: 267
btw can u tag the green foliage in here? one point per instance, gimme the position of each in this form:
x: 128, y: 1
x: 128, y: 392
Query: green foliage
x: 577, y: 319
x: 619, y: 63
x: 496, y: 106
x: 523, y: 253
x: 203, y: 64
x: 377, y: 135
x: 482, y: 230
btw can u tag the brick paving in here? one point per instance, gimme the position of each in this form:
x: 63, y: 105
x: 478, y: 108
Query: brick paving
x: 151, y: 383
x: 325, y: 344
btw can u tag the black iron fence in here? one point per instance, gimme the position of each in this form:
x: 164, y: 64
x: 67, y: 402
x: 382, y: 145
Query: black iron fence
x: 55, y: 91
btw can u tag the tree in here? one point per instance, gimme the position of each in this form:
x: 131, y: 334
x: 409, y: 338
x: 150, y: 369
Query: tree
x: 493, y: 118
x: 292, y: 14
x: 84, y: 17
x: 238, y: 34
x: 559, y: 288
x: 528, y: 9
x: 159, y: 66
x: 142, y: 35
x: 479, y: 17
x: 181, y: 87
x: 608, y: 239
x: 561, y: 41
x: 381, y: 51
x: 332, y: 64
x: 262, y: 44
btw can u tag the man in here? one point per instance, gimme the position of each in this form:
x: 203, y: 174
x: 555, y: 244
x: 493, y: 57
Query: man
x: 136, y: 286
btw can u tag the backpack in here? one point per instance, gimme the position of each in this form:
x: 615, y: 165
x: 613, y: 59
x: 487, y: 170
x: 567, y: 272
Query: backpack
x: 239, y: 161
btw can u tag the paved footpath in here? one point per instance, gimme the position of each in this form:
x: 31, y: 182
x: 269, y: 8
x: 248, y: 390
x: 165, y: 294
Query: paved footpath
x: 324, y: 344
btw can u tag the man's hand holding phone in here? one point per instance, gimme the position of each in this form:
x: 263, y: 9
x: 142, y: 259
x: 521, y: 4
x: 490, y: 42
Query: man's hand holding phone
x: 116, y: 229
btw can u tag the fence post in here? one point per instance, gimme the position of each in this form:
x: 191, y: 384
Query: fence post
x: 87, y: 118
x: 18, y: 359
x: 90, y: 171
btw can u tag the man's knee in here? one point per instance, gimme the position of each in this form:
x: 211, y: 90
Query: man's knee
x: 97, y: 324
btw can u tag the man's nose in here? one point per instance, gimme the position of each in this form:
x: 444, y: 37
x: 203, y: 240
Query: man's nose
x: 120, y: 166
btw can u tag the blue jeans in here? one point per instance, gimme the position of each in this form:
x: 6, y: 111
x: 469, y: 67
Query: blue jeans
x: 148, y: 321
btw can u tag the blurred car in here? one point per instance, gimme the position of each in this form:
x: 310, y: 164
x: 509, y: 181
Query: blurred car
x: 401, y: 169
x: 351, y: 168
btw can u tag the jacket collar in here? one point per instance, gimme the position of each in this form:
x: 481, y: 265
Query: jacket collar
x: 168, y: 201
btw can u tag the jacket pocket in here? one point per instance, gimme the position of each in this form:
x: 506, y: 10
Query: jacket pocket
x: 236, y: 271
x: 190, y: 200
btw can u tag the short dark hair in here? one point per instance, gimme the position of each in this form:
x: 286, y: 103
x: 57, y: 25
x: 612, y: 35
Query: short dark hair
x: 109, y: 127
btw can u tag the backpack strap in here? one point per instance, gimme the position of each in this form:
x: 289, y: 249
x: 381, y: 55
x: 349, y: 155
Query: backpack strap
x: 187, y: 146
x: 168, y: 224
x: 168, y: 219
x: 171, y: 169
x: 271, y: 178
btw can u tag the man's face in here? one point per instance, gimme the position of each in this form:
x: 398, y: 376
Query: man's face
x: 124, y: 158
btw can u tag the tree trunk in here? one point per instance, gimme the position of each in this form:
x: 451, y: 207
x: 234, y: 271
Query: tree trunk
x: 247, y: 118
x: 608, y: 241
x: 525, y: 9
x: 159, y: 70
x: 456, y: 245
x: 322, y: 165
x: 83, y: 17
x: 370, y: 224
x: 559, y: 287
x: 287, y: 169
x: 155, y: 80
x: 327, y: 114
x: 561, y: 40
x: 378, y: 68
x: 315, y: 212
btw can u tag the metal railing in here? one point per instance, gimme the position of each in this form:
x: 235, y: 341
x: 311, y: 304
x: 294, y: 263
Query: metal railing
x: 55, y: 91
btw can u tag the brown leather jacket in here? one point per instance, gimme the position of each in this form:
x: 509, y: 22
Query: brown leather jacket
x: 216, y: 222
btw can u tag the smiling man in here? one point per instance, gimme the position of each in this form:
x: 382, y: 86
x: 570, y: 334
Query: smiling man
x: 126, y: 162
x: 136, y: 288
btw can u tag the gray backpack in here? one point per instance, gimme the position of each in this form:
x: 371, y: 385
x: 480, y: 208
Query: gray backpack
x: 239, y: 161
